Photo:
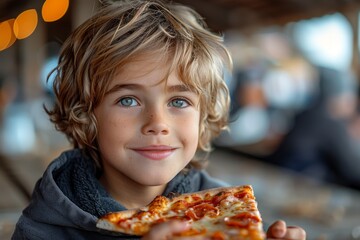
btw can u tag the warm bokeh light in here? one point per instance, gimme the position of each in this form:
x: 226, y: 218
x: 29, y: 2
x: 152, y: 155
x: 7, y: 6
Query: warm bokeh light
x: 7, y: 37
x: 53, y: 10
x: 25, y: 23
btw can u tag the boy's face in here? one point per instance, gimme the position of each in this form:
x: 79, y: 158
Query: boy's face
x: 148, y: 130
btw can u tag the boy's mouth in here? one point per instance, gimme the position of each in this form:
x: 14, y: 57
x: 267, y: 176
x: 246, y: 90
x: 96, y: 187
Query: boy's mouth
x: 158, y: 152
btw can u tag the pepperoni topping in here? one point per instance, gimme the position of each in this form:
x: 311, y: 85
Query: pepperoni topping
x: 244, y: 193
x: 179, y: 206
x: 242, y: 220
x: 219, y: 197
x: 241, y: 195
x: 199, y: 211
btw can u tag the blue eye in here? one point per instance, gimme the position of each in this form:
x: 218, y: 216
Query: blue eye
x: 179, y: 103
x: 128, y: 102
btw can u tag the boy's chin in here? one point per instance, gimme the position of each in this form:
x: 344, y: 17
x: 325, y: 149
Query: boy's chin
x: 156, y: 180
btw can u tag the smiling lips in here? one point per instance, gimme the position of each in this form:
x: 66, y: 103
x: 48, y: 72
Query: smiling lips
x: 155, y: 152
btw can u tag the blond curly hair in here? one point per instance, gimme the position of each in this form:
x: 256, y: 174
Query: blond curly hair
x: 115, y: 36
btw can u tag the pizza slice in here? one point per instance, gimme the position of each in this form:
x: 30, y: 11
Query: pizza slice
x: 217, y: 214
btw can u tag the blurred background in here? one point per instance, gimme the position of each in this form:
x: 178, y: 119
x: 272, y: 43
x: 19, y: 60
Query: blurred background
x: 294, y: 129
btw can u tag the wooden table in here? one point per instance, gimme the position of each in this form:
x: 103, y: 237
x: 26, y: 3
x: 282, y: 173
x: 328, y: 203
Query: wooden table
x: 326, y: 212
x: 17, y: 180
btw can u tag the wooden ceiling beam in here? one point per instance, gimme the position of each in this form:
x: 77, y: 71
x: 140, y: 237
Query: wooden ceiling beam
x: 249, y: 14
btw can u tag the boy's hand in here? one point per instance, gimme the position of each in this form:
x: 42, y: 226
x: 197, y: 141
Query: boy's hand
x: 278, y: 230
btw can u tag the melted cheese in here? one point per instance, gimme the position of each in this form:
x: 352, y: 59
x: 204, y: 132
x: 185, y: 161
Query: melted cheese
x: 230, y: 214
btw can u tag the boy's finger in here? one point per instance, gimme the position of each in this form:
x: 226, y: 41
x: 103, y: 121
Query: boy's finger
x: 294, y: 232
x: 165, y: 230
x: 277, y: 230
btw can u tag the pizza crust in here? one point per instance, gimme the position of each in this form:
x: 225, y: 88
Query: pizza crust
x: 106, y: 222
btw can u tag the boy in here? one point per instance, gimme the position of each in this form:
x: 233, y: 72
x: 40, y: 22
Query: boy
x: 139, y: 91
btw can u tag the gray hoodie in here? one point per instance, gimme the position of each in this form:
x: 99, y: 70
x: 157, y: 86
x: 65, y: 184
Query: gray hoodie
x: 68, y: 200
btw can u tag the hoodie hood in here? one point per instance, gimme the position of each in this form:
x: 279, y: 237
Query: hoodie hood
x: 50, y: 205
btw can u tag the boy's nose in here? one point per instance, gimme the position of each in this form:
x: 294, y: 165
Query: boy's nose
x: 155, y: 124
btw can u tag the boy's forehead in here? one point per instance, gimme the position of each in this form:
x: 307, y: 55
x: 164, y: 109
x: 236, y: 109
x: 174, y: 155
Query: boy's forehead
x: 145, y: 72
x: 144, y: 64
x: 141, y: 69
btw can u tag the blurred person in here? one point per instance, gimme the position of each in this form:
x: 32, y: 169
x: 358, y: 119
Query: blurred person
x: 249, y: 121
x: 321, y: 141
x: 289, y: 83
x: 268, y: 88
x: 248, y: 112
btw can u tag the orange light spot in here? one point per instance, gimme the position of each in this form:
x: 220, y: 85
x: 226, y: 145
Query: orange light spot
x: 25, y: 24
x: 53, y: 10
x: 7, y: 37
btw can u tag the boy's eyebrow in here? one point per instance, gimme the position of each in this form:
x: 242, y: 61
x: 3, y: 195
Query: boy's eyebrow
x: 179, y: 88
x: 172, y: 88
x: 118, y: 87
